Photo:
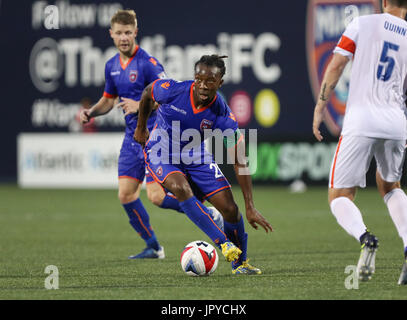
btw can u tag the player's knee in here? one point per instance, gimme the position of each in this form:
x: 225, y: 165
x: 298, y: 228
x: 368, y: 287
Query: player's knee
x: 126, y: 197
x: 181, y: 190
x: 386, y: 187
x: 155, y: 198
x: 230, y: 211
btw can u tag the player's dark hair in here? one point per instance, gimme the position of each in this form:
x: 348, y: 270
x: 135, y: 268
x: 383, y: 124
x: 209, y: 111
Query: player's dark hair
x: 213, y: 60
x: 124, y: 17
x: 399, y: 3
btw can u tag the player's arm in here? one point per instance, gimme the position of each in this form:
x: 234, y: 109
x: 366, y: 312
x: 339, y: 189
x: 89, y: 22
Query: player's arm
x: 146, y: 106
x: 331, y: 78
x: 103, y: 106
x: 235, y: 145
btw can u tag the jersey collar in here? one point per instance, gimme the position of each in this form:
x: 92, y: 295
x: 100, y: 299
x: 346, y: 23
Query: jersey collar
x: 191, y: 97
x: 124, y: 66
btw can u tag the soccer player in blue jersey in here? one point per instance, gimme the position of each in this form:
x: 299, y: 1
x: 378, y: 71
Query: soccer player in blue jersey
x: 126, y: 75
x: 194, y: 106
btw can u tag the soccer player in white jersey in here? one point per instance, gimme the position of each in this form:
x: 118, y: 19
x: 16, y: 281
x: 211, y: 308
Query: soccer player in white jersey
x: 375, y: 124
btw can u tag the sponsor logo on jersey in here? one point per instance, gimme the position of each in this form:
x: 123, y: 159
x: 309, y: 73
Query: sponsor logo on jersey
x: 326, y: 21
x: 153, y: 61
x: 232, y: 116
x: 206, y: 124
x: 178, y: 110
x: 165, y: 85
x: 133, y: 76
x: 115, y: 73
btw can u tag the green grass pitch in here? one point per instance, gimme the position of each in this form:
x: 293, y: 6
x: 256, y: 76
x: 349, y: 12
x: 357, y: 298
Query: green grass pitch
x: 85, y: 233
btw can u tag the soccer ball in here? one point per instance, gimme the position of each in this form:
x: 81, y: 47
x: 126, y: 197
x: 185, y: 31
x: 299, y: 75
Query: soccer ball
x: 199, y: 258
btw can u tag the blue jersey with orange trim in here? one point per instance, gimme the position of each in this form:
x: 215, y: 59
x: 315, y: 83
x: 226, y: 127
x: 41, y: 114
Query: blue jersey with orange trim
x: 129, y: 80
x: 177, y: 114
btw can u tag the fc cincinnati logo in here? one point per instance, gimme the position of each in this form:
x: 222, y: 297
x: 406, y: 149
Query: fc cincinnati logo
x: 133, y: 76
x: 326, y: 21
x: 159, y: 171
x: 206, y: 124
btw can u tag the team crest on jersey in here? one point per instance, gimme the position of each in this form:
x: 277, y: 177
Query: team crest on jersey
x: 326, y: 21
x: 159, y: 171
x: 133, y: 76
x: 206, y: 124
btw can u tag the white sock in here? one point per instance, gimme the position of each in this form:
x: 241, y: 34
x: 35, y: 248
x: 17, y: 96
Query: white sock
x: 348, y: 216
x: 396, y: 201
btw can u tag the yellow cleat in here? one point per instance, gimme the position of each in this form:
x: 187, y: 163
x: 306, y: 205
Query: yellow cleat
x: 246, y: 268
x: 230, y: 251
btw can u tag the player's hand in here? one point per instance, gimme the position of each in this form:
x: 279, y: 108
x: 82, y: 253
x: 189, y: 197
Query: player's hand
x: 129, y: 106
x: 84, y: 116
x: 141, y: 136
x: 318, y: 117
x: 254, y: 217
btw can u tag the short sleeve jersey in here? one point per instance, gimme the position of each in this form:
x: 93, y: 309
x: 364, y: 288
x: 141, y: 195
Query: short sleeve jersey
x: 129, y: 80
x: 179, y: 117
x: 376, y: 101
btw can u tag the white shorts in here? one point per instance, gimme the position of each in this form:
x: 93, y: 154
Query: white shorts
x: 353, y: 157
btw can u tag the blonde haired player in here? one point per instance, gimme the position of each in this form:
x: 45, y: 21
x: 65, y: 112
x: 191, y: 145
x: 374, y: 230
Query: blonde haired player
x: 374, y: 125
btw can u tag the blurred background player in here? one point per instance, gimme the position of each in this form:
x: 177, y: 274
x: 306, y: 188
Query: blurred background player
x: 126, y: 75
x: 196, y: 105
x: 374, y: 124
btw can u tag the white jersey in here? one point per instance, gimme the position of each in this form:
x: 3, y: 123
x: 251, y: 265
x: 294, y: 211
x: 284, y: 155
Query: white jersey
x: 376, y: 102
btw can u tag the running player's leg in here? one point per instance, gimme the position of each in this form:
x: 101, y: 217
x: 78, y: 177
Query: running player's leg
x: 348, y: 171
x: 234, y: 228
x: 389, y: 158
x: 177, y: 183
x: 214, y: 185
x: 131, y: 174
x: 158, y: 195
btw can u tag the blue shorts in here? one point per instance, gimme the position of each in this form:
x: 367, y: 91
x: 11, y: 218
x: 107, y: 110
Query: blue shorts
x: 206, y: 179
x: 131, y: 160
x: 149, y: 177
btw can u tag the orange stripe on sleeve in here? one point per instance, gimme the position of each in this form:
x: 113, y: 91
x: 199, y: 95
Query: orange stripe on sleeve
x: 152, y: 89
x: 108, y: 95
x: 347, y: 44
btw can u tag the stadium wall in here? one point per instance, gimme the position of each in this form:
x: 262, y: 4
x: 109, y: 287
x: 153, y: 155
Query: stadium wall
x: 276, y: 52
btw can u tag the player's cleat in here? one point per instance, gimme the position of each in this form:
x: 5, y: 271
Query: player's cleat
x: 230, y: 251
x: 150, y: 253
x: 246, y: 268
x: 366, y: 263
x: 216, y: 217
x: 403, y: 275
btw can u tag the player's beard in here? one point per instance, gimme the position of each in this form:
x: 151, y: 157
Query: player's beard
x: 127, y: 50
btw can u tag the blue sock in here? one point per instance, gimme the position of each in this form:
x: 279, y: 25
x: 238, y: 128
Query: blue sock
x: 140, y: 221
x: 171, y: 203
x: 237, y: 234
x: 199, y: 215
